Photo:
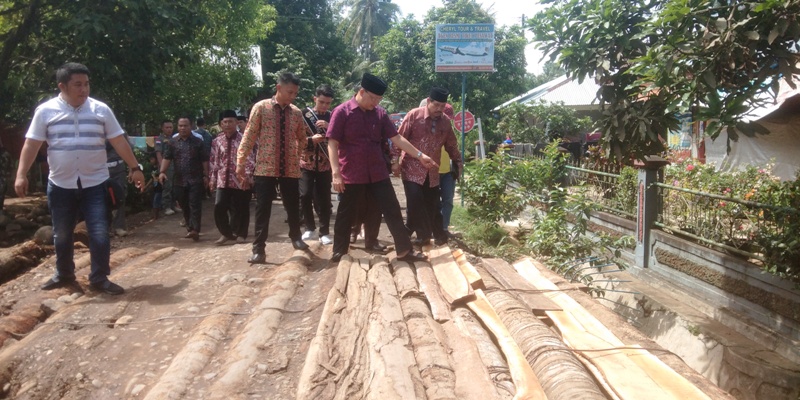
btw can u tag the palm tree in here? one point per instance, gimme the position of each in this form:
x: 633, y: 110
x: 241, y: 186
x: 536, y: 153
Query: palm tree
x: 367, y: 20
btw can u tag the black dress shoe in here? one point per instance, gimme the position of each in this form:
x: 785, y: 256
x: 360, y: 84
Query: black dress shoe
x: 55, y: 283
x: 336, y: 257
x: 413, y: 256
x: 107, y: 287
x: 420, y: 242
x: 299, y: 245
x: 257, y: 258
x: 440, y: 242
x: 376, y: 248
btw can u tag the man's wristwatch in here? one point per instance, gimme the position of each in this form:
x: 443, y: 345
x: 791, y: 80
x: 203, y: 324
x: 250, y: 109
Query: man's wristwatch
x: 136, y: 168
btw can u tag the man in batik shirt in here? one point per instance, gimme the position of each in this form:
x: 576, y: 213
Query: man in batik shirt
x: 277, y: 126
x: 428, y: 129
x: 232, y: 199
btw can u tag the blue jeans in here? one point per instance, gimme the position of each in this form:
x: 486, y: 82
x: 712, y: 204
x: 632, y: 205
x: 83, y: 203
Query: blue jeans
x: 447, y: 184
x: 66, y: 205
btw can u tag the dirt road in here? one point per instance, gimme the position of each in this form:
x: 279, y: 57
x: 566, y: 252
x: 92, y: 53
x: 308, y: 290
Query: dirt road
x: 196, y: 322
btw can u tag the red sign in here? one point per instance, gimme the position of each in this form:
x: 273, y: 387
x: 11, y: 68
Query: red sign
x: 469, y: 121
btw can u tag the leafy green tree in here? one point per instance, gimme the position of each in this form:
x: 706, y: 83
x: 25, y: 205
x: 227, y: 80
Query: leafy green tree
x: 366, y: 21
x: 541, y: 122
x: 550, y: 71
x: 137, y: 52
x: 655, y: 58
x: 407, y: 61
x: 309, y: 28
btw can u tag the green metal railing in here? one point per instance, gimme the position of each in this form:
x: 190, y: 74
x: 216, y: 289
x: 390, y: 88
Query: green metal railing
x: 604, y: 189
x: 725, y: 222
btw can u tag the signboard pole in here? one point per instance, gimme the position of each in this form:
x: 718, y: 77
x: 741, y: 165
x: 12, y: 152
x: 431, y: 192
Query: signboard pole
x: 482, y: 153
x: 463, y: 134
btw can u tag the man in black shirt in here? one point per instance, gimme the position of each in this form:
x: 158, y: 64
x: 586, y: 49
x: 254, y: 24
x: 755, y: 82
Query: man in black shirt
x: 191, y: 174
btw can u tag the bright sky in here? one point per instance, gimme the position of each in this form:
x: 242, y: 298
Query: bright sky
x: 506, y: 12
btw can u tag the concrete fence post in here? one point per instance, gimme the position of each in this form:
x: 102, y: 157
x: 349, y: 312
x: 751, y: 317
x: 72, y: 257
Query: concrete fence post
x: 647, y: 205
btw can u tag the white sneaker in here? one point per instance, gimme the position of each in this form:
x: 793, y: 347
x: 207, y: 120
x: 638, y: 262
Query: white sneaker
x: 325, y: 239
x: 308, y: 235
x: 121, y: 232
x: 169, y: 211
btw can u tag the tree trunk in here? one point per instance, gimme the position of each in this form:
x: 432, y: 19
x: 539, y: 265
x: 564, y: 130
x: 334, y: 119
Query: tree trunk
x: 316, y: 368
x: 466, y: 322
x: 392, y: 367
x: 560, y: 372
x: 525, y: 381
x: 430, y: 350
x: 19, y: 257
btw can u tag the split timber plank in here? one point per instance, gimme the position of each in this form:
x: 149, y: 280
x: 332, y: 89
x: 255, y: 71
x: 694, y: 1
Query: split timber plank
x: 562, y: 374
x: 473, y: 381
x: 631, y: 373
x: 428, y: 285
x: 454, y: 285
x: 393, y: 372
x: 427, y: 337
x: 525, y: 381
x: 505, y: 274
x: 491, y: 362
x: 469, y: 271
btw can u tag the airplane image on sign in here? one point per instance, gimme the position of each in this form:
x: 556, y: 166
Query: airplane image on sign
x: 456, y: 50
x: 451, y: 49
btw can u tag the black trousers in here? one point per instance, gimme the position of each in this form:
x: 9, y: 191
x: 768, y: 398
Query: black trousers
x: 368, y: 214
x: 423, y: 205
x: 384, y: 197
x: 190, y: 198
x: 315, y: 193
x: 266, y: 192
x: 232, y: 212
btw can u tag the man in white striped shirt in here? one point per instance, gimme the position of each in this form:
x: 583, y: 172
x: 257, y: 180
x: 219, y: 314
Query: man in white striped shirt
x: 76, y: 127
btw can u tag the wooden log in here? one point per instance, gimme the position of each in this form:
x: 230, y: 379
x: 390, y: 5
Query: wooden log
x: 29, y: 317
x: 510, y: 279
x: 261, y: 326
x: 469, y: 271
x: 313, y: 373
x: 454, y: 285
x: 427, y: 337
x: 631, y: 373
x: 525, y: 381
x: 428, y: 284
x: 560, y: 372
x: 27, y: 313
x: 490, y: 358
x: 196, y: 353
x: 392, y: 367
x: 347, y: 342
x: 15, y: 259
x: 404, y: 279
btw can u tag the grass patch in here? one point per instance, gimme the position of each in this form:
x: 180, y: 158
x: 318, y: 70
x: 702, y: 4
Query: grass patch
x: 482, y: 238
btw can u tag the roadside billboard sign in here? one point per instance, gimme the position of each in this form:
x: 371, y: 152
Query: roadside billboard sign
x: 464, y: 48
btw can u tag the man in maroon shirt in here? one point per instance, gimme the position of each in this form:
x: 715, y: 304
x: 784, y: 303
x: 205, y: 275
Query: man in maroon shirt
x: 428, y: 129
x: 357, y: 129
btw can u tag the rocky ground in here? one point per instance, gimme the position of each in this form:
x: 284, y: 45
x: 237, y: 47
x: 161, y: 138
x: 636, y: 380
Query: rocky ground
x: 196, y: 321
